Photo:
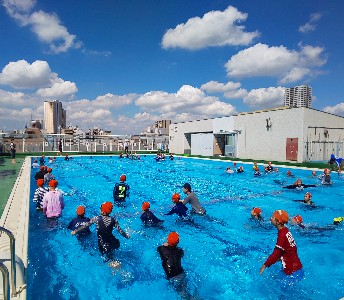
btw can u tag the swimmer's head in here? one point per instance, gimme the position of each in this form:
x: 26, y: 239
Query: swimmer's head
x: 327, y: 171
x: 35, y: 161
x: 106, y: 208
x: 80, y: 211
x: 41, y: 168
x: 175, y: 198
x: 53, y: 183
x: 173, y: 239
x: 281, y: 216
x: 256, y: 212
x: 49, y: 170
x: 123, y: 178
x: 288, y: 173
x: 187, y: 186
x: 297, y: 219
x: 40, y: 182
x: 145, y: 206
x: 298, y: 182
x: 314, y: 173
x: 307, y: 196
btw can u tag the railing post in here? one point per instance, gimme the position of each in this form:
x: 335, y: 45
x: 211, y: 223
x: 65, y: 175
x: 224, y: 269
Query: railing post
x: 5, y: 282
x: 13, y: 259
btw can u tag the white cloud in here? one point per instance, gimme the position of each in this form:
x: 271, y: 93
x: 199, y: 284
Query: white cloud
x: 265, y: 97
x: 22, y: 75
x: 58, y: 90
x: 337, y: 109
x: 287, y: 65
x: 47, y: 27
x: 215, y: 28
x: 311, y: 24
x: 219, y: 87
x: 187, y: 98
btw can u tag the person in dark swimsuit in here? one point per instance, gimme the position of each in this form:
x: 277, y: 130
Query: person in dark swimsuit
x: 148, y: 218
x: 121, y: 190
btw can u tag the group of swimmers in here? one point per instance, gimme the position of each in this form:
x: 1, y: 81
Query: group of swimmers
x: 51, y: 202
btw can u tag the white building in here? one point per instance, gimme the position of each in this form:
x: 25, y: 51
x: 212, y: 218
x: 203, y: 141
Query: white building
x: 280, y: 134
x: 298, y: 96
x: 54, y: 117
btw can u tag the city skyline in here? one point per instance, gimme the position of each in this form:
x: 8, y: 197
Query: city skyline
x: 123, y: 65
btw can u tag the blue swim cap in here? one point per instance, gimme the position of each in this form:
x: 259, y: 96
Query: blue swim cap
x: 333, y: 156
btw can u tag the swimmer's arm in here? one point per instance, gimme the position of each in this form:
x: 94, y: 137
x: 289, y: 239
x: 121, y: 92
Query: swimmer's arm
x: 274, y: 257
x: 88, y: 224
x: 121, y: 231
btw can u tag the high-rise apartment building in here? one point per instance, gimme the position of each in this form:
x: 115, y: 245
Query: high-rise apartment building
x: 298, y: 96
x: 54, y: 116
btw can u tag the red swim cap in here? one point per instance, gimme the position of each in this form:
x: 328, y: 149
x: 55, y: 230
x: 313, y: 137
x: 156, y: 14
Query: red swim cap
x: 173, y: 239
x: 80, y: 210
x: 145, y: 206
x: 53, y: 183
x: 106, y: 207
x: 175, y: 197
x: 40, y: 182
x: 123, y: 178
x: 298, y: 219
x: 257, y: 210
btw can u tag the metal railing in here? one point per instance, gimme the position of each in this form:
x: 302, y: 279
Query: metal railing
x: 13, y: 260
x: 5, y: 282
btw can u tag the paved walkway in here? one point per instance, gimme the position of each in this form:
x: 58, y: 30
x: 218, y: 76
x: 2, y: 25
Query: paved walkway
x: 8, y: 176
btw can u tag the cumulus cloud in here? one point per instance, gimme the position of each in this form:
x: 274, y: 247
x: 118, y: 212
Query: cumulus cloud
x: 230, y: 90
x: 265, y: 97
x: 186, y: 99
x: 47, y: 27
x: 22, y: 75
x: 287, y: 65
x: 38, y: 75
x: 337, y: 109
x: 215, y: 28
x: 59, y: 90
x: 311, y: 24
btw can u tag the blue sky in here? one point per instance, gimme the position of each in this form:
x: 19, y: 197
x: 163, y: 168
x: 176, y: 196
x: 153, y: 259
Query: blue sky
x: 121, y: 65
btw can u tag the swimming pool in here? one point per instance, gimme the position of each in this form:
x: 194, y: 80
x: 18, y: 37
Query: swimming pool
x: 223, y: 250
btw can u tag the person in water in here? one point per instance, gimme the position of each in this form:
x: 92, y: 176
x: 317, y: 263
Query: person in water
x: 171, y: 256
x: 306, y: 199
x: 298, y: 185
x: 179, y: 208
x: 39, y: 194
x: 79, y: 221
x: 121, y: 189
x: 256, y: 213
x: 269, y: 168
x: 53, y: 202
x: 148, y: 218
x: 285, y: 250
x: 325, y: 177
x: 298, y: 221
x: 192, y: 199
x: 107, y: 242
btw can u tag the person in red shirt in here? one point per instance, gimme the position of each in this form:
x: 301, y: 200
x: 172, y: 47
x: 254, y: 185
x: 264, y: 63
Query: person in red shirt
x: 285, y: 250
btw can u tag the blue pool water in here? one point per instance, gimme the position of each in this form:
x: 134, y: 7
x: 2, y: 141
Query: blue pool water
x: 223, y: 250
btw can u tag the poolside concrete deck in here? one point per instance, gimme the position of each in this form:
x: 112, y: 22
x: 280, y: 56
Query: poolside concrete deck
x: 15, y: 218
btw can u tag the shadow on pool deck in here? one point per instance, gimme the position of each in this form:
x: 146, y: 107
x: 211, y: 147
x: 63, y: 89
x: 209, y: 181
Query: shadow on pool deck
x: 8, y: 176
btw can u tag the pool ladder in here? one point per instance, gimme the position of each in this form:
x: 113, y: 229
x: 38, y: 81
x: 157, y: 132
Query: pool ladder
x: 15, y: 263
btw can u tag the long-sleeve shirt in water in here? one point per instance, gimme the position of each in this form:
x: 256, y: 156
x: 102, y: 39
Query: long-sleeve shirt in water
x: 148, y: 218
x: 194, y: 202
x: 106, y: 240
x: 120, y: 191
x: 179, y: 209
x: 171, y: 259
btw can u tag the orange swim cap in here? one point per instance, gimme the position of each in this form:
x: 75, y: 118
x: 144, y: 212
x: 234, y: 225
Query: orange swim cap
x: 40, y: 182
x: 106, y: 207
x: 80, y: 210
x: 298, y: 219
x: 145, y: 206
x: 257, y: 210
x: 281, y: 216
x: 173, y: 239
x: 123, y: 178
x: 53, y: 183
x: 175, y: 197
